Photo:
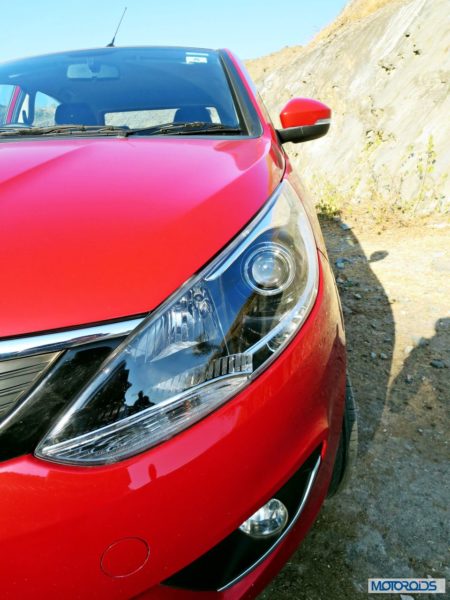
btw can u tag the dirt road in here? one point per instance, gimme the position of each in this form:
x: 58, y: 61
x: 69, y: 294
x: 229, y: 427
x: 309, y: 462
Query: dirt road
x: 392, y: 520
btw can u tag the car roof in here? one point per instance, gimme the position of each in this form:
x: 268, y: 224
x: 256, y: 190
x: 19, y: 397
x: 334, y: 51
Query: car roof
x: 108, y: 49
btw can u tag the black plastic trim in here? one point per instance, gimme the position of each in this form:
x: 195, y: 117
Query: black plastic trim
x: 238, y: 554
x: 22, y: 430
x: 241, y: 97
x: 297, y: 135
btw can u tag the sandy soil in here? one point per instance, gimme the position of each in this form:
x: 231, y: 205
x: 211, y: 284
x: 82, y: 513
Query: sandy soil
x: 392, y: 520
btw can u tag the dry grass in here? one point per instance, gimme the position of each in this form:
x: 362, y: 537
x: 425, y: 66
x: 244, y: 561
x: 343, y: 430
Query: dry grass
x: 354, y: 11
x: 261, y: 67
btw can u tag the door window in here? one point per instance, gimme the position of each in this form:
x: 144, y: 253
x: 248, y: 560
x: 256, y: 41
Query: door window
x: 44, y: 110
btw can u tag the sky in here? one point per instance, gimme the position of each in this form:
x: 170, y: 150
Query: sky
x: 251, y: 28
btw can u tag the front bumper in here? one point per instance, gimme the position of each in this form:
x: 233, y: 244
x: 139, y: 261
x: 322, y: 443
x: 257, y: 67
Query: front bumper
x: 118, y: 531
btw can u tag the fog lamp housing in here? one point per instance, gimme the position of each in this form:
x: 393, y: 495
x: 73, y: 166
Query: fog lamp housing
x: 268, y: 521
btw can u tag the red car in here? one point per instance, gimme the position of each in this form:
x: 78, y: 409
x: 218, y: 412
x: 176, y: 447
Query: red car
x: 173, y: 398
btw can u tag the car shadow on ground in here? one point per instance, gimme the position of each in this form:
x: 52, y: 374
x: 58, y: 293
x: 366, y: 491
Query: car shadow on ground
x: 369, y: 325
x: 322, y: 568
x: 425, y: 367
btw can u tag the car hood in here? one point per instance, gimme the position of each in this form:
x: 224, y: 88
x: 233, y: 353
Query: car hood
x: 99, y: 229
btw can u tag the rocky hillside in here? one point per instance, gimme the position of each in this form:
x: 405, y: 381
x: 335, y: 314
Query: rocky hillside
x: 384, y: 68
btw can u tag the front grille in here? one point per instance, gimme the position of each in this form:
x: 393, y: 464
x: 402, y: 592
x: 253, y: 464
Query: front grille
x: 17, y: 375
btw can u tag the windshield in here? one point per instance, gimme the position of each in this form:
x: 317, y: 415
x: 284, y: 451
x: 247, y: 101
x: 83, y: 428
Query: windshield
x: 129, y: 88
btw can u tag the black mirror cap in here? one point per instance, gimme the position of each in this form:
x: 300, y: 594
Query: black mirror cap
x: 297, y: 135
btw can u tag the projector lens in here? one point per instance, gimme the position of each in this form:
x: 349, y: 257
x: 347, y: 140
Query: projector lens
x: 269, y: 269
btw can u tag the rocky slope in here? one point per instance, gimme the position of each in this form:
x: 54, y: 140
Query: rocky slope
x: 384, y: 68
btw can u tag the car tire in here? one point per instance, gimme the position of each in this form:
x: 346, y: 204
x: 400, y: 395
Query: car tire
x: 348, y: 444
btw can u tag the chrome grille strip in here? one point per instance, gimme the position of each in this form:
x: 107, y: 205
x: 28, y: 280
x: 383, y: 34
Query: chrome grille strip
x: 60, y: 340
x: 17, y: 375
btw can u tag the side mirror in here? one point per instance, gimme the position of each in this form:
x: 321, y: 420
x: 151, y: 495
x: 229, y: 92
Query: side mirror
x: 303, y: 119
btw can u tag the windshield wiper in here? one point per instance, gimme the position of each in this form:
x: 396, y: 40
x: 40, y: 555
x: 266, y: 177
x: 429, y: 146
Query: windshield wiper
x: 190, y: 128
x: 62, y: 130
